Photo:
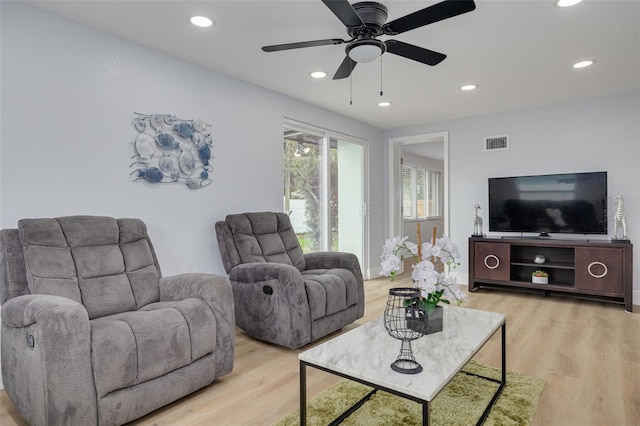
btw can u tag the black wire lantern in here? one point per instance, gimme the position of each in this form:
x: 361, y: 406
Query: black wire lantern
x: 402, y: 321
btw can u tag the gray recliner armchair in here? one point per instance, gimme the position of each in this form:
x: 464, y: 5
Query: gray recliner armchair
x: 92, y: 334
x: 282, y: 295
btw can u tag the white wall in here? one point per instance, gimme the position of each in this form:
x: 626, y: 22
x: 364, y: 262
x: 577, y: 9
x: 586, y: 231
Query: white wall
x: 68, y: 96
x: 593, y: 135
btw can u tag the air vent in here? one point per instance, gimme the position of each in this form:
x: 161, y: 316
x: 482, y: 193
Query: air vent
x: 496, y: 143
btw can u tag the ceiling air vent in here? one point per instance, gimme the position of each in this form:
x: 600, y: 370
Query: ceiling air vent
x: 496, y: 143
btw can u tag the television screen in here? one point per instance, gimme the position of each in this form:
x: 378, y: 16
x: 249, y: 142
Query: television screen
x: 574, y: 203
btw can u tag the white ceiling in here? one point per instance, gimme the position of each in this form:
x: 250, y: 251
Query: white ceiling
x: 518, y: 52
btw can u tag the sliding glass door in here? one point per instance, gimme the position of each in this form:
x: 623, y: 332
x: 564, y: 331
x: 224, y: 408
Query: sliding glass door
x: 324, y: 181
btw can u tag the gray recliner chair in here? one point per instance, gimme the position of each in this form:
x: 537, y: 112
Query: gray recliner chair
x: 282, y: 295
x: 92, y: 334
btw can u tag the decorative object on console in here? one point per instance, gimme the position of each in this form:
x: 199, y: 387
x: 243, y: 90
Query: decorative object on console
x: 477, y: 221
x: 539, y: 277
x: 620, y: 219
x: 169, y: 150
x: 540, y: 259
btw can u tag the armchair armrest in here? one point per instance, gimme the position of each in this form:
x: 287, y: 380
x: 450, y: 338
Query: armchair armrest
x: 333, y: 259
x: 261, y: 272
x: 271, y: 303
x: 348, y: 261
x: 215, y: 291
x: 46, y: 360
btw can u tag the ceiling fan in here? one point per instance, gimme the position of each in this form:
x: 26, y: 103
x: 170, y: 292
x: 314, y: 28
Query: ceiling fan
x: 365, y: 21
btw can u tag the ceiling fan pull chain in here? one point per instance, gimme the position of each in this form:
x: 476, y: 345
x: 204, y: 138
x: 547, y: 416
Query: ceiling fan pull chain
x: 351, y: 86
x: 380, y: 75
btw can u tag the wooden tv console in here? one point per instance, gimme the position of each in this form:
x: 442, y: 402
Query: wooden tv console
x: 595, y: 269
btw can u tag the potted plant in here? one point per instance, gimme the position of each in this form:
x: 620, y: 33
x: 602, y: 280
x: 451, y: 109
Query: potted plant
x: 433, y: 287
x: 539, y: 277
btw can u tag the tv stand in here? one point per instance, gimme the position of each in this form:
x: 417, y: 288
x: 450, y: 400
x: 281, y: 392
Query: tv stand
x: 544, y: 235
x: 600, y: 270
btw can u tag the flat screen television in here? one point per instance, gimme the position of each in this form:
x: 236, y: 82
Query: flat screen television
x: 568, y: 203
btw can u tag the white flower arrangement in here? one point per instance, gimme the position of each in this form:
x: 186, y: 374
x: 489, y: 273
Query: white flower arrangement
x: 434, y: 286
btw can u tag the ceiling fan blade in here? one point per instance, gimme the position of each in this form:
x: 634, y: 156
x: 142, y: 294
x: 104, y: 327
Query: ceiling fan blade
x: 415, y: 53
x: 345, y: 68
x: 345, y: 12
x: 429, y: 15
x: 287, y: 46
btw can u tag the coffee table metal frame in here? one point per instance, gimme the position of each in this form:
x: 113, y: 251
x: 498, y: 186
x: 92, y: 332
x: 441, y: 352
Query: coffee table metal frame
x: 425, y: 403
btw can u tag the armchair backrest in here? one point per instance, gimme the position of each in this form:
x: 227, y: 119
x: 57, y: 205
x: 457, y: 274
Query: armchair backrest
x: 258, y: 237
x: 108, y: 265
x: 13, y: 277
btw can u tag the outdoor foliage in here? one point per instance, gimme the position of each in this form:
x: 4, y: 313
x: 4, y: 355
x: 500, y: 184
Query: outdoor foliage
x: 303, y: 174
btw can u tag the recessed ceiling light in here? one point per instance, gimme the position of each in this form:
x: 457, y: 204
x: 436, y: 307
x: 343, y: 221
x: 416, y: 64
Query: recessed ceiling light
x: 468, y: 87
x: 384, y: 104
x: 567, y: 3
x: 318, y: 74
x: 201, y: 21
x: 583, y: 64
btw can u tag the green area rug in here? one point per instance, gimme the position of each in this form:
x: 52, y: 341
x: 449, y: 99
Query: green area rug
x: 460, y: 403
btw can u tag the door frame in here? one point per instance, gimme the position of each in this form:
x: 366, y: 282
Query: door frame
x: 395, y: 177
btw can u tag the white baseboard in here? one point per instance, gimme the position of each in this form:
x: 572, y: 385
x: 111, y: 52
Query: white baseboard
x: 463, y: 278
x: 373, y: 273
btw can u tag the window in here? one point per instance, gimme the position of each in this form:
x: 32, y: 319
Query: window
x: 324, y: 181
x: 420, y: 192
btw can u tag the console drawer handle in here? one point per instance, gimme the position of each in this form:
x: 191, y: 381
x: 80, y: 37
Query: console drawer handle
x: 597, y: 263
x: 491, y: 256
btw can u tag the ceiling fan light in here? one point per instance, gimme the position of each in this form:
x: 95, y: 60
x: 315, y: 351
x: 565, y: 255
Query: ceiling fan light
x: 583, y: 64
x: 201, y: 21
x: 364, y: 52
x: 567, y: 3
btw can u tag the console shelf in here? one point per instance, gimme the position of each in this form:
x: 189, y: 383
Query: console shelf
x: 591, y: 269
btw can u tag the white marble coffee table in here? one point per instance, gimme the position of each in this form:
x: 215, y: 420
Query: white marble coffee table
x: 365, y: 354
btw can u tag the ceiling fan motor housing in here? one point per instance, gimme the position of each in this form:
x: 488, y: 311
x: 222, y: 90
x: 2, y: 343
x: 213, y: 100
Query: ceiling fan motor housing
x: 373, y: 14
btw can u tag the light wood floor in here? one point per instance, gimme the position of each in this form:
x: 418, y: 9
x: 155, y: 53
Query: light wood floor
x: 587, y: 352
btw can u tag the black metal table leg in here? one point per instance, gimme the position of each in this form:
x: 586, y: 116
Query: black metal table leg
x: 504, y: 353
x: 425, y: 413
x: 502, y: 382
x: 303, y: 394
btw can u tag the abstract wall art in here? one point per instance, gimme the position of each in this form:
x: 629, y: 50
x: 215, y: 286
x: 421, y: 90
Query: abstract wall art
x: 168, y: 149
